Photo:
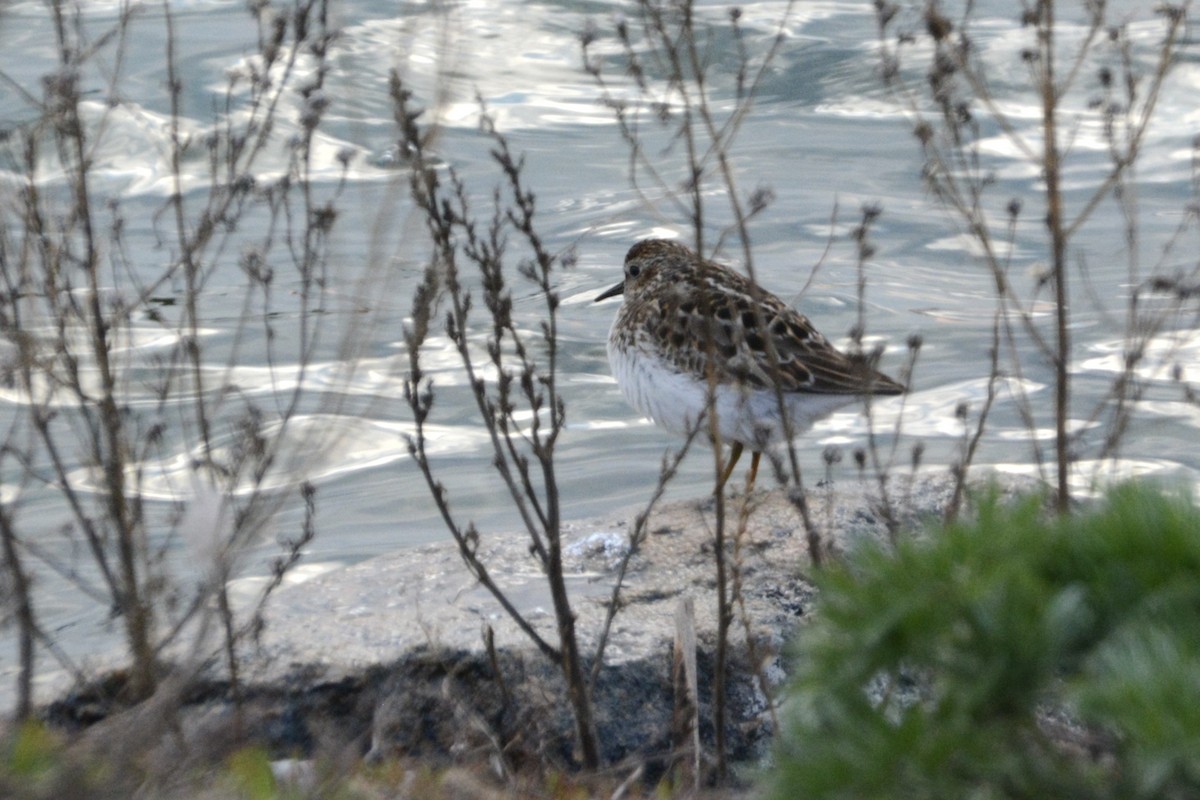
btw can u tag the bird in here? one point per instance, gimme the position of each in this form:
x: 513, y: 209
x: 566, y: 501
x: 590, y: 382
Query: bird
x: 693, y: 337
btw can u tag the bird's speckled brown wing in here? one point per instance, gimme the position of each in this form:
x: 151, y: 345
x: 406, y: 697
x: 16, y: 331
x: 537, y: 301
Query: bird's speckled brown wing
x: 739, y: 327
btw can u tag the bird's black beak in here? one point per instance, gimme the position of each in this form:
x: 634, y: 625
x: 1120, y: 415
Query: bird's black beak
x: 613, y: 292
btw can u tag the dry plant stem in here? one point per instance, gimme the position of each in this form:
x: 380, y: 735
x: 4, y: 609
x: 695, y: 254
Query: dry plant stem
x: 637, y: 537
x: 1052, y: 174
x: 961, y: 470
x: 467, y: 538
x: 694, y: 183
x: 521, y: 214
x: 956, y: 175
x: 306, y: 250
x: 234, y: 631
x: 753, y: 655
x: 229, y: 638
x: 522, y: 381
x: 1142, y: 327
x: 1125, y: 158
x: 231, y: 181
x: 186, y: 256
x: 720, y: 142
x: 972, y: 445
x: 721, y: 474
x: 720, y: 138
x: 42, y: 415
x: 724, y: 606
x: 684, y: 106
x: 881, y: 466
x: 22, y: 604
x: 670, y: 31
x: 108, y: 447
x: 74, y: 279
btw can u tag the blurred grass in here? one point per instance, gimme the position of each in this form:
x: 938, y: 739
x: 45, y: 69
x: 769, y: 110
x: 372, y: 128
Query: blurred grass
x: 37, y: 763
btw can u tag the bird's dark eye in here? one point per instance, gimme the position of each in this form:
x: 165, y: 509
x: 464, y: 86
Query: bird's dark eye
x: 634, y: 269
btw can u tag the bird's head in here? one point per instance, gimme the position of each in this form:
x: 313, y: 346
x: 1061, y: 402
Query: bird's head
x: 646, y: 262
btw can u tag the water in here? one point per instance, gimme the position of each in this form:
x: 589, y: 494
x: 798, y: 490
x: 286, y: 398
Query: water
x: 824, y: 137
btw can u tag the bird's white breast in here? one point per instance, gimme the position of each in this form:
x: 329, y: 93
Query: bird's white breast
x: 677, y: 400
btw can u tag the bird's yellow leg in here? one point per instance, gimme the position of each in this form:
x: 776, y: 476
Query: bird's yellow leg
x: 735, y: 453
x: 753, y: 473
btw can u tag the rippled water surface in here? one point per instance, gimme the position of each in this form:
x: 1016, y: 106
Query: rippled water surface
x: 823, y: 137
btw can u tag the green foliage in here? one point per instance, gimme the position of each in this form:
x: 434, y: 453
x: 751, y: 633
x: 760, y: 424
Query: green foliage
x: 35, y: 764
x: 251, y: 771
x: 33, y: 752
x: 1020, y: 655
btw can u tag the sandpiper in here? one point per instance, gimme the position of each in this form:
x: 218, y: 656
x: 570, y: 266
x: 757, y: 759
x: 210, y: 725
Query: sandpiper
x: 694, y: 337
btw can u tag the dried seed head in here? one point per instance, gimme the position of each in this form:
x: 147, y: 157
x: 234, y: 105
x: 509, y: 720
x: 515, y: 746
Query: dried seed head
x: 589, y: 34
x: 938, y: 25
x: 760, y: 198
x: 832, y: 455
x: 885, y: 12
x: 918, y: 451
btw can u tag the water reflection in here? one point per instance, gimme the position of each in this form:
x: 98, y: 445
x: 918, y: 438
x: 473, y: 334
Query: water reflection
x: 312, y: 447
